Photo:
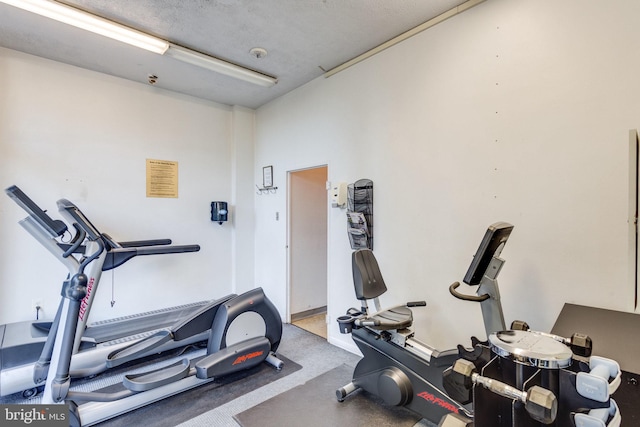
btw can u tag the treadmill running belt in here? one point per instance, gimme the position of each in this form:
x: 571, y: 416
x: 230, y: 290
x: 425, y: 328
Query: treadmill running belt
x: 114, y: 329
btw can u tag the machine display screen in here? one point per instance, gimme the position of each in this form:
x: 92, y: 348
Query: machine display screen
x: 53, y: 227
x: 491, y: 245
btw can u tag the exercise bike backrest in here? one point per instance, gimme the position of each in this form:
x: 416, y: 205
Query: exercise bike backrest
x: 369, y: 285
x: 367, y: 278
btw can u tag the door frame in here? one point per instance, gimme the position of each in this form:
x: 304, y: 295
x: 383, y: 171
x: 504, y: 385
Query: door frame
x: 289, y: 227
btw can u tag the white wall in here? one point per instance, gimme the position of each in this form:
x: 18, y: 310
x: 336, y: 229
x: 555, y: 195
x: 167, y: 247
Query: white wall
x: 242, y: 205
x: 513, y: 111
x: 68, y: 132
x: 516, y: 111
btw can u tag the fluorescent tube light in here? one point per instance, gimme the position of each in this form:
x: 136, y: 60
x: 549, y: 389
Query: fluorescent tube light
x: 220, y: 66
x: 89, y: 22
x: 95, y: 24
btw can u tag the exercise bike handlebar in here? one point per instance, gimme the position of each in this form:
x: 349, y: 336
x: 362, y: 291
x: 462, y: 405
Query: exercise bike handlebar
x: 464, y: 297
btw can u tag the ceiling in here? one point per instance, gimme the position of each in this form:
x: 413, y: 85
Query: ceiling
x: 303, y: 38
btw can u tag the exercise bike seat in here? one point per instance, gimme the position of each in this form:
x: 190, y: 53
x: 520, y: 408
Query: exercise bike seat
x: 369, y: 284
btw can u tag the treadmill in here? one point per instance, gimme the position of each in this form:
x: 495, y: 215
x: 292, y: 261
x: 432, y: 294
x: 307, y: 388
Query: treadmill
x: 26, y: 347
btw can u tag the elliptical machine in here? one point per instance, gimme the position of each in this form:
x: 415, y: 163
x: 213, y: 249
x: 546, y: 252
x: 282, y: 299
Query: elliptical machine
x: 226, y: 354
x: 25, y: 346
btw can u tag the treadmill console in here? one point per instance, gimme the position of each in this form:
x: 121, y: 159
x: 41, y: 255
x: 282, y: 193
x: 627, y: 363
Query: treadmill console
x: 55, y: 228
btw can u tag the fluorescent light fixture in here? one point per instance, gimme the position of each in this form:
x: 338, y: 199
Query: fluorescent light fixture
x: 89, y: 22
x: 220, y: 66
x: 95, y: 24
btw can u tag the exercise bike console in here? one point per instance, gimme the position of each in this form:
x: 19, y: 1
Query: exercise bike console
x: 483, y: 272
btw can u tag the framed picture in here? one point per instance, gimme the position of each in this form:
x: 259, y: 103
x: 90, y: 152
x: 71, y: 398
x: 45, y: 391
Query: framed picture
x: 267, y: 176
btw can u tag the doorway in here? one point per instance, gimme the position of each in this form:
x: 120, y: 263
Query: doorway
x: 307, y: 243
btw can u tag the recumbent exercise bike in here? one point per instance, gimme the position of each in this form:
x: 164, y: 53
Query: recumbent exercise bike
x: 406, y: 372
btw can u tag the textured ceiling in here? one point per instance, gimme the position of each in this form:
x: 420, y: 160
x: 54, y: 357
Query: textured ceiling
x: 302, y: 37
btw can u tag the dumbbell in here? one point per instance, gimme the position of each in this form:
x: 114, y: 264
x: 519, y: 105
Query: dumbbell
x: 600, y: 417
x: 540, y: 403
x: 595, y: 384
x: 580, y: 344
x: 457, y: 384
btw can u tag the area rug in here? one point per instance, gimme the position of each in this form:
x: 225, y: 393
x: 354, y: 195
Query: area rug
x: 182, y: 407
x: 314, y: 404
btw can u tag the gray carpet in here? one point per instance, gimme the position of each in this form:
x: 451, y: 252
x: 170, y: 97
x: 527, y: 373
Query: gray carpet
x: 314, y: 404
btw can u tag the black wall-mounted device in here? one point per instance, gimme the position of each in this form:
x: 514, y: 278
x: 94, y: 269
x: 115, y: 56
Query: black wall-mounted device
x: 219, y: 212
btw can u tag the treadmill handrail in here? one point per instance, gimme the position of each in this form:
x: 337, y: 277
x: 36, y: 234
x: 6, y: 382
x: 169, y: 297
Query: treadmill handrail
x: 139, y: 243
x: 118, y: 256
x: 111, y: 243
x: 174, y: 249
x: 75, y: 215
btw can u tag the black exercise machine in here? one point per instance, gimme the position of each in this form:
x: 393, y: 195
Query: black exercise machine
x: 395, y: 365
x: 441, y: 386
x: 226, y: 353
x: 25, y: 347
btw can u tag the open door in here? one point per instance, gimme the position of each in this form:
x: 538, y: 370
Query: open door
x: 307, y: 243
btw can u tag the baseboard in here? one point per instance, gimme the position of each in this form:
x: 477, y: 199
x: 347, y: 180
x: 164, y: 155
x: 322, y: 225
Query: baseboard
x: 308, y: 313
x: 349, y: 346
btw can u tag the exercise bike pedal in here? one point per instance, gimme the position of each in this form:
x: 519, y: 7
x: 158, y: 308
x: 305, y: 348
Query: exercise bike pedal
x: 345, y: 391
